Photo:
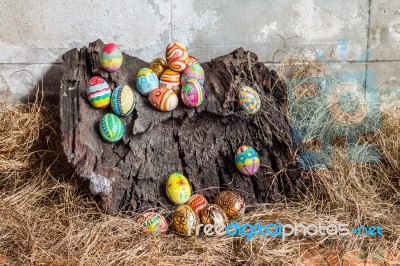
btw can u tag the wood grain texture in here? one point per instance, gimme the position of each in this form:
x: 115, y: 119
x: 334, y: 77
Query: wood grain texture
x: 200, y: 143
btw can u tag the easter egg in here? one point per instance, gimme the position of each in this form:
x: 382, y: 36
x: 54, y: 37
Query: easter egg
x: 158, y: 66
x: 171, y: 79
x: 231, y: 203
x: 123, y: 100
x: 153, y: 222
x: 177, y: 56
x: 213, y: 214
x: 98, y: 92
x: 192, y: 93
x: 247, y: 160
x: 178, y: 188
x: 146, y: 81
x: 111, y: 57
x: 193, y: 71
x: 249, y: 100
x: 111, y: 128
x: 163, y: 99
x: 185, y: 220
x: 197, y: 202
x: 192, y: 60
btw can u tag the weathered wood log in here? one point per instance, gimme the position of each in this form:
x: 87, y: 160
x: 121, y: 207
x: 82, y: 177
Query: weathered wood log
x: 200, y: 143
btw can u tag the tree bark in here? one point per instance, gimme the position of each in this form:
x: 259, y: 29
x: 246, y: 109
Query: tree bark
x: 200, y: 143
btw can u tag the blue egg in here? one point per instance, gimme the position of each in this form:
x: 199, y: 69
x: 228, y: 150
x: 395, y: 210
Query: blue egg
x: 146, y: 81
x: 123, y: 100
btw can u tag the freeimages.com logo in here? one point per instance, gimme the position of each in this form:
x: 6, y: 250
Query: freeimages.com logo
x: 323, y: 107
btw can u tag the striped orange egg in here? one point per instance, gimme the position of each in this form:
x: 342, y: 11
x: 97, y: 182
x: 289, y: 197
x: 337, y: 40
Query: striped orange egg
x: 177, y: 56
x: 163, y: 99
x: 171, y: 79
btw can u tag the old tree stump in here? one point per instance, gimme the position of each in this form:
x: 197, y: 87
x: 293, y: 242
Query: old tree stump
x: 200, y: 143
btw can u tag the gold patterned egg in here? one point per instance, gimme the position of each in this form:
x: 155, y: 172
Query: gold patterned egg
x: 213, y: 214
x: 185, y: 220
x: 158, y: 66
x: 178, y: 188
x: 231, y: 203
x: 153, y: 222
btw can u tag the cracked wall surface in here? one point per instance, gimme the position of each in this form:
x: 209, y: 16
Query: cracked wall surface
x: 34, y: 34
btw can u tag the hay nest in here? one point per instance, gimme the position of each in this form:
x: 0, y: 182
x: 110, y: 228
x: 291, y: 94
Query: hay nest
x: 46, y: 219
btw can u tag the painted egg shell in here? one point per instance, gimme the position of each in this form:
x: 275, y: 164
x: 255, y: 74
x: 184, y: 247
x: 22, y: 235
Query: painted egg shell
x: 98, y: 92
x: 178, y: 188
x: 171, y: 79
x: 231, y: 203
x: 111, y: 128
x: 158, y: 65
x: 146, y: 81
x: 197, y: 202
x: 177, y: 56
x: 193, y: 71
x: 249, y: 100
x: 192, y: 60
x: 213, y: 214
x: 247, y: 160
x: 123, y: 100
x: 184, y: 220
x: 163, y: 99
x: 111, y: 57
x: 192, y: 93
x: 153, y: 222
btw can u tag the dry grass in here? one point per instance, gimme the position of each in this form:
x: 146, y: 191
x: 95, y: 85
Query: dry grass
x: 45, y: 219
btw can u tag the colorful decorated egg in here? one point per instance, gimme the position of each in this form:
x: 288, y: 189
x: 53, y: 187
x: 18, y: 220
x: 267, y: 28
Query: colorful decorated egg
x: 146, y: 81
x: 123, y: 100
x: 247, y: 160
x: 153, y: 222
x: 213, y: 214
x: 111, y: 57
x: 249, y: 100
x: 171, y: 79
x: 185, y: 220
x: 111, y: 128
x: 163, y: 99
x: 177, y: 56
x: 193, y: 71
x: 98, y: 92
x: 197, y: 202
x: 192, y: 60
x: 192, y: 93
x: 178, y: 188
x: 158, y: 65
x: 231, y: 203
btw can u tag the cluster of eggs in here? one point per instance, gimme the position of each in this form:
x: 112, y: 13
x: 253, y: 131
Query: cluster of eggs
x: 180, y: 74
x: 192, y: 209
x: 121, y: 99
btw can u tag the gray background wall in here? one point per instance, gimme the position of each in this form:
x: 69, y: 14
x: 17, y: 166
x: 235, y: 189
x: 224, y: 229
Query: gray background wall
x: 35, y: 33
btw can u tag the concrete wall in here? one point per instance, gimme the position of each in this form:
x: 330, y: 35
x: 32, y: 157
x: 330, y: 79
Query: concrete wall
x: 35, y: 33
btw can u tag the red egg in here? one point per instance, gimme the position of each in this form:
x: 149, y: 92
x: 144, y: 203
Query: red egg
x: 197, y: 202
